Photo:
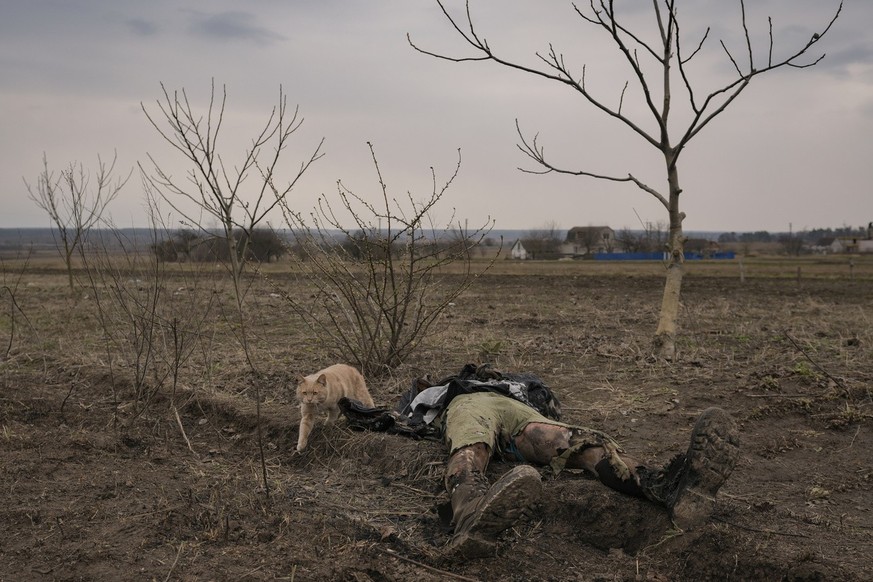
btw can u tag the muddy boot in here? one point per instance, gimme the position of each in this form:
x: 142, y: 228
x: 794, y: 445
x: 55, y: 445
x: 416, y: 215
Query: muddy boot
x: 689, y: 483
x: 481, y: 512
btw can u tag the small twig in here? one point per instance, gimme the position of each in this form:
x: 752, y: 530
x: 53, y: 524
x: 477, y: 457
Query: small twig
x: 668, y: 535
x: 776, y: 396
x: 413, y: 489
x: 64, y: 403
x: 182, y: 428
x: 394, y: 554
x: 740, y: 497
x: 148, y: 513
x: 816, y: 364
x: 176, y: 561
x: 852, y: 441
x: 767, y: 531
x: 393, y: 513
x: 250, y: 572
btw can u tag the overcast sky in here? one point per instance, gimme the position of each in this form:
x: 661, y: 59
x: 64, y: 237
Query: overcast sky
x: 795, y: 148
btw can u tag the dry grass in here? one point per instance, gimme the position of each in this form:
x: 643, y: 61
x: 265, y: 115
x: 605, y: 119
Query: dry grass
x: 95, y: 480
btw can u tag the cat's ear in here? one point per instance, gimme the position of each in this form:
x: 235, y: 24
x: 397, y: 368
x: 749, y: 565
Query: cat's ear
x: 322, y: 380
x: 301, y: 378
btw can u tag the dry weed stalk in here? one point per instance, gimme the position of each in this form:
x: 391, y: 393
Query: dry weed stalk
x: 11, y: 288
x: 148, y: 329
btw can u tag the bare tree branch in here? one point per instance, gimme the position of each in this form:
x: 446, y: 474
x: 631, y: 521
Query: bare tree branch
x: 536, y: 152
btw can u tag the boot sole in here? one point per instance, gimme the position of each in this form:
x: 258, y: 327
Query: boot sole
x: 505, y: 502
x: 711, y: 458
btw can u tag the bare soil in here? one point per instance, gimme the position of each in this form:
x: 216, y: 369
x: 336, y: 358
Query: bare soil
x: 97, y: 486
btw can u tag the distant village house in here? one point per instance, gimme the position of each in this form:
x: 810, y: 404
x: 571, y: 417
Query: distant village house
x: 851, y: 245
x: 701, y: 246
x: 587, y: 240
x: 518, y: 251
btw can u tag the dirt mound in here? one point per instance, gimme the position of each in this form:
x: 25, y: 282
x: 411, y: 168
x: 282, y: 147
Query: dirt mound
x: 355, y: 506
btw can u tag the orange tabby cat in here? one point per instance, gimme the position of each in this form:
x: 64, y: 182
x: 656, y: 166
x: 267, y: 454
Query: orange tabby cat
x: 323, y: 390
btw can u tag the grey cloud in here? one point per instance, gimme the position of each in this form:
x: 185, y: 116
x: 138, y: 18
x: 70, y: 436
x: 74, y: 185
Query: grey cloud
x: 142, y: 27
x: 233, y: 25
x: 857, y: 53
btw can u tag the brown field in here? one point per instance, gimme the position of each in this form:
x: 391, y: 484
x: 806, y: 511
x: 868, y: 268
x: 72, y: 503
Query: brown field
x: 99, y: 486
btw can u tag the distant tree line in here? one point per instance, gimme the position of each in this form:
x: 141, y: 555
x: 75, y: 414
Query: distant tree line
x: 799, y: 242
x: 547, y: 242
x: 262, y: 245
x: 266, y: 245
x: 814, y: 236
x: 652, y: 238
x: 360, y: 245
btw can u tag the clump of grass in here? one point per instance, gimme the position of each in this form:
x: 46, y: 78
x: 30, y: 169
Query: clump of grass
x: 489, y: 349
x: 850, y: 414
x: 804, y: 370
x: 769, y: 382
x: 817, y: 494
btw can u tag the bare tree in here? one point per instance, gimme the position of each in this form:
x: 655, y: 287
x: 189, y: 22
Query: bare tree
x: 73, y: 203
x: 654, y: 69
x: 238, y: 196
x: 652, y: 238
x: 545, y: 242
x: 628, y: 241
x: 793, y: 243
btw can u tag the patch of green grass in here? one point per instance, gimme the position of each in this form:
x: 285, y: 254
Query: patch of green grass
x: 804, y: 370
x: 490, y: 348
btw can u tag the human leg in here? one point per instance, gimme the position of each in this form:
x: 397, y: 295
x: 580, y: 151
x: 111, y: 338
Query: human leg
x: 465, y: 462
x: 479, y: 511
x: 687, y: 485
x: 580, y: 448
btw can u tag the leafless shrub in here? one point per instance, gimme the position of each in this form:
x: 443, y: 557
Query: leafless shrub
x: 376, y: 283
x: 73, y: 204
x: 152, y: 320
x: 652, y: 238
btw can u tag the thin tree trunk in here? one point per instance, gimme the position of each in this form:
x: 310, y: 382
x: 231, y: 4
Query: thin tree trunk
x: 664, y: 343
x: 68, y: 261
